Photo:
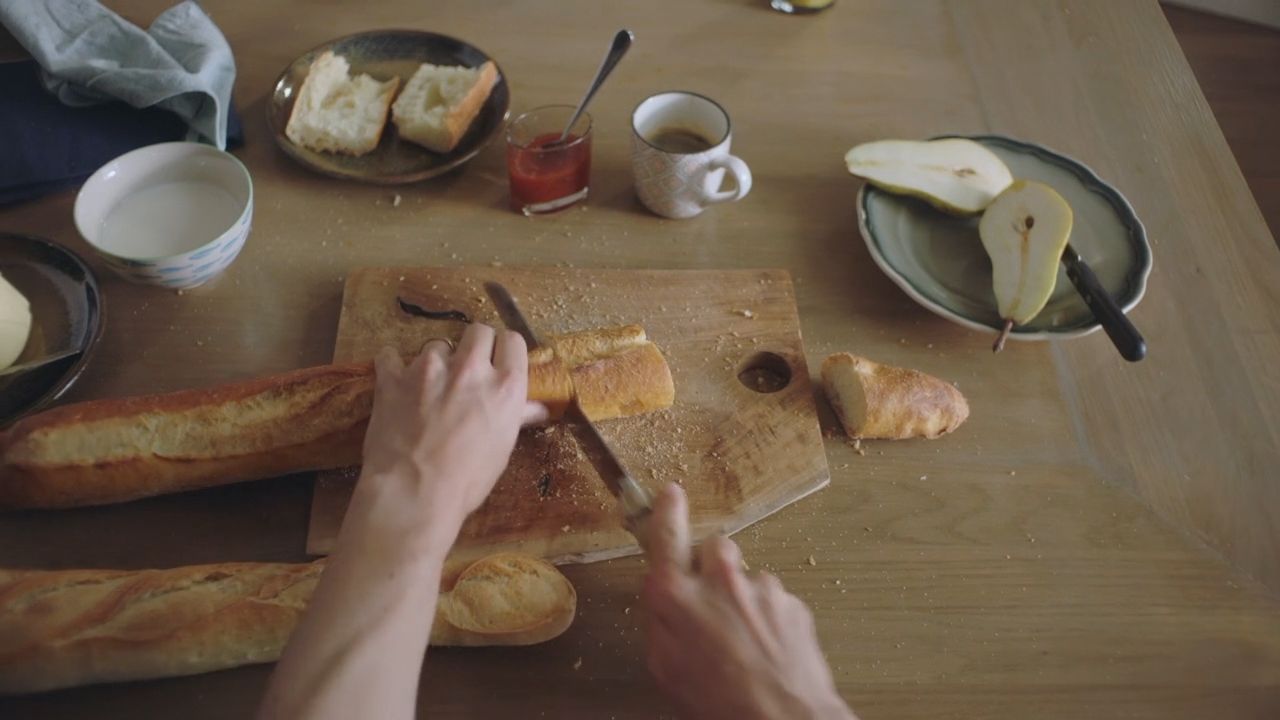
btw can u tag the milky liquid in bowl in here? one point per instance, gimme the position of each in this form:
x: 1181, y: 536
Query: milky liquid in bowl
x: 168, y: 219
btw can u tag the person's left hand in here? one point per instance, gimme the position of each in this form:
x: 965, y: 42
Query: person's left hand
x: 443, y: 427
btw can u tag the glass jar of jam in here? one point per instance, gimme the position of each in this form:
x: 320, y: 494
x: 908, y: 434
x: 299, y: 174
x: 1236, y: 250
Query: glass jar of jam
x: 546, y: 173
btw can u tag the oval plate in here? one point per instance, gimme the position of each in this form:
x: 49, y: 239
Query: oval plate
x: 66, y: 309
x: 939, y: 260
x: 384, y: 54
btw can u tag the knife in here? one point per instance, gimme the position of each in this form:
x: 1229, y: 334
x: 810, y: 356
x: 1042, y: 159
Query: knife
x: 1123, y: 334
x: 633, y: 499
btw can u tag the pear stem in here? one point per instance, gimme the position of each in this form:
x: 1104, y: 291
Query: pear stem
x: 1004, y: 335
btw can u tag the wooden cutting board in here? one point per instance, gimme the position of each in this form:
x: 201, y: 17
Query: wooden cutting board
x: 740, y: 454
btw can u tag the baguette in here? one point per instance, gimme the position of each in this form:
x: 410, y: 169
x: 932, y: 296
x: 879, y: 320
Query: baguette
x: 107, y: 451
x: 66, y: 628
x: 875, y: 401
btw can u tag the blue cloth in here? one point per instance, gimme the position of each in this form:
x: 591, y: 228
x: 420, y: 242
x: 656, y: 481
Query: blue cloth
x: 90, y: 54
x: 181, y: 70
x: 49, y: 146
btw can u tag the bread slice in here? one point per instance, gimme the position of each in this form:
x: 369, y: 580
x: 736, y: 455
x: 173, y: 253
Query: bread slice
x: 505, y: 599
x: 338, y: 113
x: 439, y: 102
x: 62, y: 628
x: 876, y: 401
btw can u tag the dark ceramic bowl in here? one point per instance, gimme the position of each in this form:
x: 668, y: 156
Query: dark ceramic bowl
x: 67, y: 313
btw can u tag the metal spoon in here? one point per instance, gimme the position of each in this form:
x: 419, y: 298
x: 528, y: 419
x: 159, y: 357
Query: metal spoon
x: 621, y: 44
x: 39, y: 362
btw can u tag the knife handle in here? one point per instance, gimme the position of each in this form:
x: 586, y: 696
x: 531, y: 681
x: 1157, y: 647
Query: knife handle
x: 1123, y: 334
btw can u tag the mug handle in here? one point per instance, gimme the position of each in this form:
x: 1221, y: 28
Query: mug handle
x: 741, y: 175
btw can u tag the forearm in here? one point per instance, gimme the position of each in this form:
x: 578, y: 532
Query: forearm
x: 359, y: 648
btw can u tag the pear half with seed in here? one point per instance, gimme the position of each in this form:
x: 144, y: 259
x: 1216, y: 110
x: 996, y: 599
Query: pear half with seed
x: 1024, y: 230
x: 955, y: 175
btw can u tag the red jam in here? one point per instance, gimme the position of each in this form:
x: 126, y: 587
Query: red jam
x: 541, y: 175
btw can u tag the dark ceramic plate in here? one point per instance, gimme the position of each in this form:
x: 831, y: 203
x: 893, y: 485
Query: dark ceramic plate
x: 939, y: 261
x: 384, y: 54
x: 66, y: 309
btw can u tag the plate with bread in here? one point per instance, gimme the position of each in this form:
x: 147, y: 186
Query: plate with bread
x: 388, y: 106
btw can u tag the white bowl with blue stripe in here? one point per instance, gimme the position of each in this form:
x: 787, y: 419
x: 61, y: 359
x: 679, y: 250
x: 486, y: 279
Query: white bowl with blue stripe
x: 172, y: 214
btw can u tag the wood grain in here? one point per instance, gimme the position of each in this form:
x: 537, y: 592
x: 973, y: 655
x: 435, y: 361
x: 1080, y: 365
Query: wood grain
x: 740, y: 454
x: 1178, y: 451
x: 965, y: 591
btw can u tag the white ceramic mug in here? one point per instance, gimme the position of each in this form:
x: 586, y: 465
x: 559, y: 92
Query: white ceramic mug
x: 679, y: 184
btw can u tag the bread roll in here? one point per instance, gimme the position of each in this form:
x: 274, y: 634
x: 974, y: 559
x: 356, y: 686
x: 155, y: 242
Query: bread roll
x: 115, y: 450
x: 876, y: 401
x: 440, y: 102
x: 77, y: 627
x: 338, y: 113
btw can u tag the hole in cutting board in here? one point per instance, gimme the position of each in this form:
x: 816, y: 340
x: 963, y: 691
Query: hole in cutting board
x: 765, y: 372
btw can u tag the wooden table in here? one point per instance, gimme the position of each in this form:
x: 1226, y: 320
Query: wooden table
x: 1100, y: 540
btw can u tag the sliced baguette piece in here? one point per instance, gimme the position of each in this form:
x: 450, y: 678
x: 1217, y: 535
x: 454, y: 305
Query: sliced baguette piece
x: 439, y: 103
x: 338, y: 113
x: 64, y: 628
x: 113, y: 450
x: 876, y: 401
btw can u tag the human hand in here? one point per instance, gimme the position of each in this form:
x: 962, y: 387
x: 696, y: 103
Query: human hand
x: 725, y: 645
x: 443, y: 428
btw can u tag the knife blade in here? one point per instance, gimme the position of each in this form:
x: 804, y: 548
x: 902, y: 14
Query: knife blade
x: 633, y: 499
x: 510, y: 313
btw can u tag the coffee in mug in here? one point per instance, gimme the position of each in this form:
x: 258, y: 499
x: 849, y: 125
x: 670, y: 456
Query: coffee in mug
x: 680, y: 140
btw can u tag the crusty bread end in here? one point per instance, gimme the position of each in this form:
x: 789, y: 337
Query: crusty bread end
x: 440, y: 102
x: 876, y: 401
x: 505, y: 599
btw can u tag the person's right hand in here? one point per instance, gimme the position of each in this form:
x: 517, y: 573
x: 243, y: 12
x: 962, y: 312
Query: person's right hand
x: 725, y: 645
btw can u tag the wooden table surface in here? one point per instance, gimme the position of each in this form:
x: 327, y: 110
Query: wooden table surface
x: 1099, y: 540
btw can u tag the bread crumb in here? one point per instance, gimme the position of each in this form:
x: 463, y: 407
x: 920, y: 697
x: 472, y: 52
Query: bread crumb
x: 746, y: 313
x: 811, y: 561
x: 626, y: 611
x: 577, y: 664
x: 395, y: 202
x: 565, y: 529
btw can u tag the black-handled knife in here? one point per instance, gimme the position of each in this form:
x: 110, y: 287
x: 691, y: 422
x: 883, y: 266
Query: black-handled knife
x: 1123, y: 334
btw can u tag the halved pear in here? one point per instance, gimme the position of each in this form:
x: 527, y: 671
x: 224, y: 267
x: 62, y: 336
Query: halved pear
x: 1024, y: 230
x: 955, y: 175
